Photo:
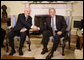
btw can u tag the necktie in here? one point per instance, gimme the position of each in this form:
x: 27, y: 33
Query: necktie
x: 53, y: 26
x: 26, y: 18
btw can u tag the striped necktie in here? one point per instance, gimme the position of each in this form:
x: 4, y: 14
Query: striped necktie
x: 53, y: 26
x: 26, y: 18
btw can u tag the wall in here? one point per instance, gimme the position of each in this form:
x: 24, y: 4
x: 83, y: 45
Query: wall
x: 14, y: 7
x: 77, y: 8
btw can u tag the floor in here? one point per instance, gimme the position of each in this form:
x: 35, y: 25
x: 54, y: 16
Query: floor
x: 36, y: 49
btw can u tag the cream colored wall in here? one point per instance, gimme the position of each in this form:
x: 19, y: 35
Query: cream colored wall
x: 14, y: 7
x: 77, y: 8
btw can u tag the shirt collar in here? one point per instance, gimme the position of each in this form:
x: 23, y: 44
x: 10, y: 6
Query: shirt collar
x: 53, y: 17
x: 26, y: 16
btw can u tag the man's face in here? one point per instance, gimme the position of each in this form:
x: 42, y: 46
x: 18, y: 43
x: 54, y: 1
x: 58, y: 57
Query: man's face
x: 52, y: 12
x: 27, y: 12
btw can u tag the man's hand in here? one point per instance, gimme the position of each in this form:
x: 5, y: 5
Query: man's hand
x: 59, y: 32
x: 23, y: 30
x: 35, y: 28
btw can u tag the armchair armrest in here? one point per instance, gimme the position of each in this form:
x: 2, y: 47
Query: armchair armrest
x: 9, y: 27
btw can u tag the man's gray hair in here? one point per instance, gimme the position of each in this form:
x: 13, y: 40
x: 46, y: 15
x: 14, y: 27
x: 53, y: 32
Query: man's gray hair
x: 52, y: 9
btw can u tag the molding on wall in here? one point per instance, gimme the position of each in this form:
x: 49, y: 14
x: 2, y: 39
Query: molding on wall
x: 48, y: 2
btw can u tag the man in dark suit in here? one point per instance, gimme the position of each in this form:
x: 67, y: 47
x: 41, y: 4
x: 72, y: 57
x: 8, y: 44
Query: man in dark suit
x: 56, y: 27
x: 24, y: 23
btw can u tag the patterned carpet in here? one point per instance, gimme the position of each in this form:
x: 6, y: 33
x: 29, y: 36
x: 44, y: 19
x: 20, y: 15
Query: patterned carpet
x: 15, y: 57
x: 36, y: 49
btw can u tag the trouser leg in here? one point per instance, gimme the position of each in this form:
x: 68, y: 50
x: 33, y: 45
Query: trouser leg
x: 22, y: 36
x: 45, y: 40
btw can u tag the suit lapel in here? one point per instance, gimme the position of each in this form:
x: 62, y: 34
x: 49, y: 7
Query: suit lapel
x: 56, y: 21
x: 49, y: 21
x: 24, y: 17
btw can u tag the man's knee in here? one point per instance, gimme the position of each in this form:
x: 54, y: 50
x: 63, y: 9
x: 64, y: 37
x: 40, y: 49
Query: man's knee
x: 10, y: 35
x: 22, y: 34
x: 46, y: 33
x: 57, y: 38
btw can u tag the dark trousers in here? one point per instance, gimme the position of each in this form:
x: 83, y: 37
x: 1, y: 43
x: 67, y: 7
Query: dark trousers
x: 45, y: 40
x: 3, y: 32
x: 22, y: 35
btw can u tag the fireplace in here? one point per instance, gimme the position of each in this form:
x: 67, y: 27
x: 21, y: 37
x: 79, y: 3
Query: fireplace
x: 62, y: 8
x: 40, y: 20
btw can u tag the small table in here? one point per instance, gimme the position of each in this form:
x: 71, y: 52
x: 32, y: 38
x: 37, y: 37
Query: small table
x: 80, y: 40
x: 5, y: 22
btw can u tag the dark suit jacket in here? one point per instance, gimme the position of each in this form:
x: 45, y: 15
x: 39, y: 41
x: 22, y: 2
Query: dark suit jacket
x: 21, y: 22
x: 60, y: 24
